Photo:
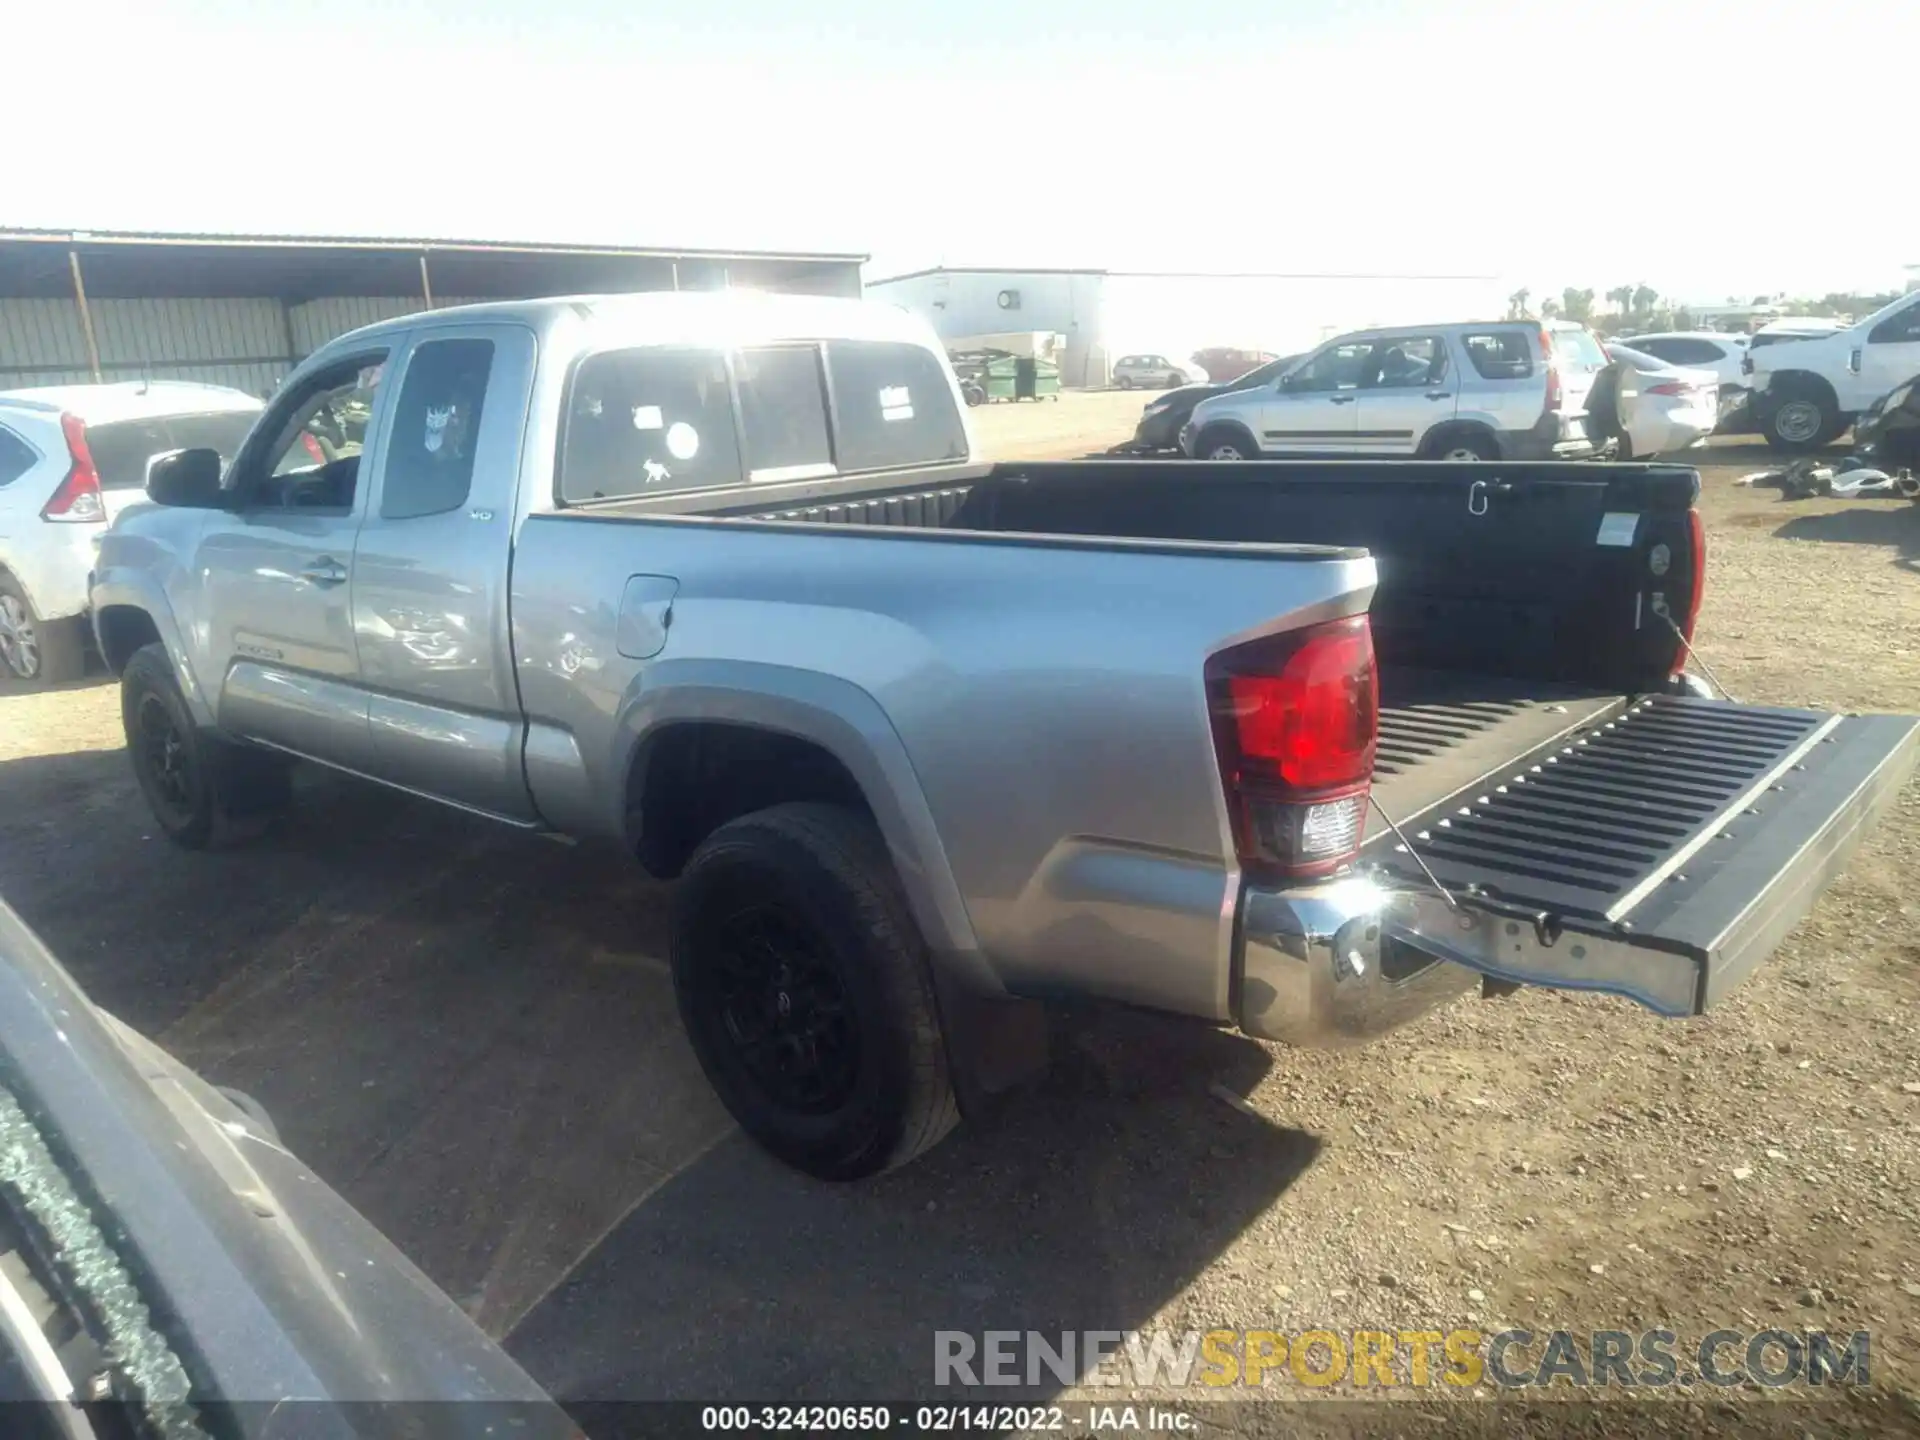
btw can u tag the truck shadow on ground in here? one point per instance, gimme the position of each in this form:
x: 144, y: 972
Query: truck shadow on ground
x: 471, y: 1034
x: 1894, y: 525
x: 1092, y: 1204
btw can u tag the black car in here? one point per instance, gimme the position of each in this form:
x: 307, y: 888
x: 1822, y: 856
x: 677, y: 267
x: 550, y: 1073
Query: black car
x: 1888, y: 435
x: 1160, y: 423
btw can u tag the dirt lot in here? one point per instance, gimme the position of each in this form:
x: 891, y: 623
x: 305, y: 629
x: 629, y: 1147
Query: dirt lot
x: 470, y: 1033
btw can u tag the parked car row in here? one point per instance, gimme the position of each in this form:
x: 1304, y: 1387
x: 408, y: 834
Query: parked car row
x: 1519, y: 390
x: 71, y: 458
x: 1506, y: 390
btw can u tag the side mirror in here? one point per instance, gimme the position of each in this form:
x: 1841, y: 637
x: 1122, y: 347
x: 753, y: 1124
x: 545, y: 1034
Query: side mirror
x: 186, y: 480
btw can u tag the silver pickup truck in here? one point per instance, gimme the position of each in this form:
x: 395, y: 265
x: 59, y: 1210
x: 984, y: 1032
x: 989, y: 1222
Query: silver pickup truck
x: 926, y: 740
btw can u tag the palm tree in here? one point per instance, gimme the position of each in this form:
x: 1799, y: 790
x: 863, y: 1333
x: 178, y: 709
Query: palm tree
x: 1517, y: 304
x: 1621, y: 298
x: 1645, y: 297
x: 1577, y: 304
x: 1550, y: 309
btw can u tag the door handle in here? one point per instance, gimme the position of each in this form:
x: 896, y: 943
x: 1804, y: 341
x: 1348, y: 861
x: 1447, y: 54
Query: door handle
x: 1342, y: 399
x: 1439, y: 394
x: 325, y: 571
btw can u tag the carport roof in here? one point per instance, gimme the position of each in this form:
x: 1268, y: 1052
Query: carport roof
x: 33, y: 264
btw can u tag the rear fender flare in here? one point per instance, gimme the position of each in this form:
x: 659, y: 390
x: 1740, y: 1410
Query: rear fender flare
x: 849, y: 724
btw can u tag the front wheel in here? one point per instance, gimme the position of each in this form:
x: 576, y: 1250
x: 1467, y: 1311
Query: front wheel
x: 805, y: 989
x: 1801, y: 423
x: 1224, y: 444
x: 1174, y: 382
x: 1125, y: 382
x: 198, y: 786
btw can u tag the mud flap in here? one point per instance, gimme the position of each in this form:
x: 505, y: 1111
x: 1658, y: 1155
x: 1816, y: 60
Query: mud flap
x: 1662, y: 856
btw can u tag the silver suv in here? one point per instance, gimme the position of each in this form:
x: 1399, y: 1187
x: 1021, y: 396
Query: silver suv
x: 1506, y: 390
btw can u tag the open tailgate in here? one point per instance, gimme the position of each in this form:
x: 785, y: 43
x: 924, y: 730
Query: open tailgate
x: 1660, y: 855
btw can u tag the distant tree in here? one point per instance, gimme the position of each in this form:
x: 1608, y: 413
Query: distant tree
x: 1682, y: 318
x: 1550, y: 308
x: 1621, y: 298
x: 1517, y: 304
x: 1645, y: 297
x: 1577, y: 304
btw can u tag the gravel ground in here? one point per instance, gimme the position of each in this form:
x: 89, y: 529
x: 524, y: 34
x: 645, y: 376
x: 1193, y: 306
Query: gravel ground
x: 1541, y: 1160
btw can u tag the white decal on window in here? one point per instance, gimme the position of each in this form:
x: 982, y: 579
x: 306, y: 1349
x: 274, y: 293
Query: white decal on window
x: 683, y: 441
x: 437, y: 427
x: 647, y: 417
x: 656, y: 472
x: 896, y: 403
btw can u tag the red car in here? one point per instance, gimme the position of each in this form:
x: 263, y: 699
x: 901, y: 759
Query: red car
x: 1223, y: 364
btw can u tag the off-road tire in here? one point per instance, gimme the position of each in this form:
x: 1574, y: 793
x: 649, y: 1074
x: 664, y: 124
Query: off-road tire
x: 823, y: 870
x: 211, y: 791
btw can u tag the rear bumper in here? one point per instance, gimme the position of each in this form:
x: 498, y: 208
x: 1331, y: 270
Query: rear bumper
x: 1343, y: 962
x: 1556, y: 437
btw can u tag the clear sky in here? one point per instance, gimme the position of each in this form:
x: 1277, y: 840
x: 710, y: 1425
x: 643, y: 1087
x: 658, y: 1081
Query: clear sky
x: 1707, y: 149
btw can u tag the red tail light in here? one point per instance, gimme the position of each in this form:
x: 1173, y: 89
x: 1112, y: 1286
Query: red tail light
x: 1699, y: 590
x: 78, y: 499
x: 1296, y: 720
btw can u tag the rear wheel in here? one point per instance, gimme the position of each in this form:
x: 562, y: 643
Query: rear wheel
x: 1461, y: 446
x: 200, y: 788
x: 805, y: 989
x: 1125, y: 382
x: 36, y: 651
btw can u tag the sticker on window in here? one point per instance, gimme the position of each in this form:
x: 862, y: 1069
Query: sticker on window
x: 896, y: 403
x: 437, y: 428
x: 1617, y: 527
x: 683, y: 441
x: 647, y: 417
x: 656, y: 472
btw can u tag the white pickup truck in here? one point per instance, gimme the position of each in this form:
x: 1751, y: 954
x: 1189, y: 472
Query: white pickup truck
x: 1806, y: 392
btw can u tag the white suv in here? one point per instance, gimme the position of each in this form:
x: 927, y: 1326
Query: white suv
x: 71, y: 458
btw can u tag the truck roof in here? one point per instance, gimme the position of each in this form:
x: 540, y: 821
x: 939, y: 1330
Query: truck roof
x: 708, y: 317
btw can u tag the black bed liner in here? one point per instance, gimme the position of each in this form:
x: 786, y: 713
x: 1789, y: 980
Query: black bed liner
x: 1445, y: 731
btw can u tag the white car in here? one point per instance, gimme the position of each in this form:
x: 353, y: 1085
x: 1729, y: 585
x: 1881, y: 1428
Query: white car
x: 1701, y: 350
x: 1155, y: 370
x: 71, y: 458
x: 1662, y: 408
x: 1806, y: 391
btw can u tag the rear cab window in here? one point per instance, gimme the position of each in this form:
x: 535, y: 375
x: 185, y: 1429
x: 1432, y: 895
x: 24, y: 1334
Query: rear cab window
x: 1499, y: 354
x: 654, y: 420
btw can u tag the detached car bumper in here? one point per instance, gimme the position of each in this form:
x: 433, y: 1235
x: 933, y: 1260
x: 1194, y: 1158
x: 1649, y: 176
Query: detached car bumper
x: 1346, y: 961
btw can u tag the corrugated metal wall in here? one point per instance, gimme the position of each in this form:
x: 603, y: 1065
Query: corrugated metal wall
x: 248, y: 344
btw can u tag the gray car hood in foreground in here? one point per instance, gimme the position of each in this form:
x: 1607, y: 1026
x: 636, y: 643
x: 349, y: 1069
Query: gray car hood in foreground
x: 229, y: 1289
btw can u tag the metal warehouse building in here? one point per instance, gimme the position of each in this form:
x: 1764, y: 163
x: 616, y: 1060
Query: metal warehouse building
x: 242, y: 310
x: 1109, y: 313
